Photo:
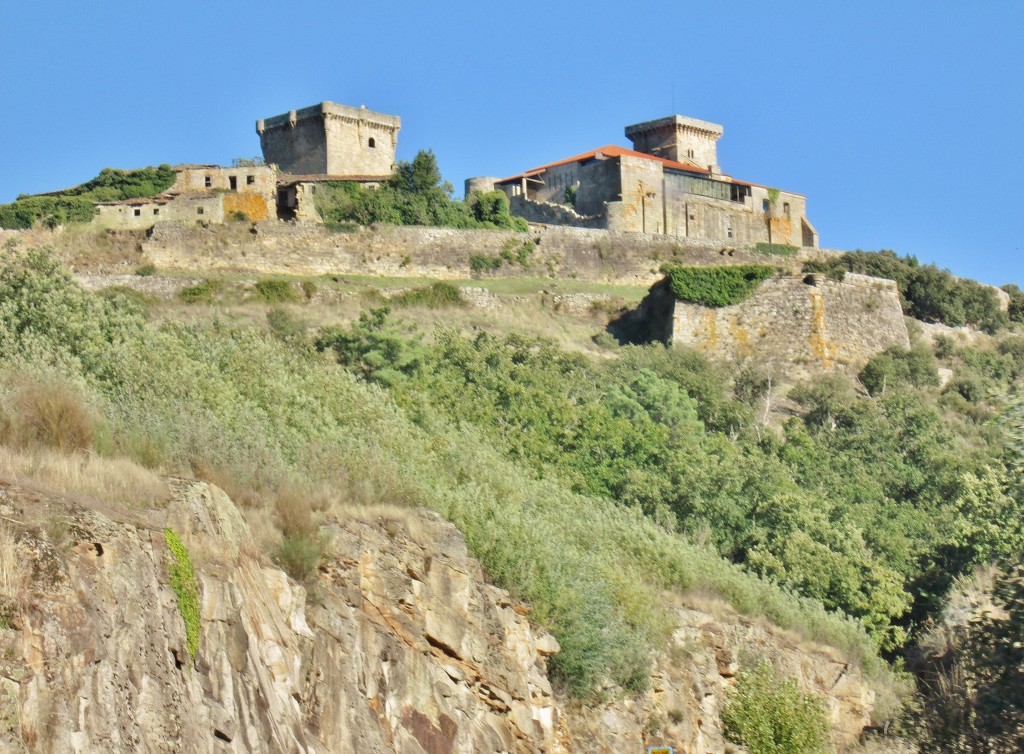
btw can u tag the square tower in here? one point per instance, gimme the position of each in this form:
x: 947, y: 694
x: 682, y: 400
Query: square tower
x: 679, y: 139
x: 331, y: 139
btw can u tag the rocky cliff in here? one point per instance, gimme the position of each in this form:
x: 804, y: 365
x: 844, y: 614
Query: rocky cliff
x: 402, y: 646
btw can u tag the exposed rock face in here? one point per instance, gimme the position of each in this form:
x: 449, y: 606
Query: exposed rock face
x: 404, y: 648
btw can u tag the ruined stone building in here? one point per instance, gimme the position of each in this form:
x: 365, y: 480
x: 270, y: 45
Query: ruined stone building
x: 301, y: 149
x: 200, y: 194
x: 670, y: 184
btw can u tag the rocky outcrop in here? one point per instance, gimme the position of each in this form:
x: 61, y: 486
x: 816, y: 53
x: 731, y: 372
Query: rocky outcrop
x: 402, y: 647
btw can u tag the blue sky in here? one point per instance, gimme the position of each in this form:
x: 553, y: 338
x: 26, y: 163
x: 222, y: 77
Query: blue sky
x: 901, y: 121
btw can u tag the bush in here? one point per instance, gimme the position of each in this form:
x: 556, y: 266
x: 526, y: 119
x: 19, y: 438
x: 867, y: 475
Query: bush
x: 716, y: 286
x: 275, y: 291
x: 775, y: 249
x: 201, y: 293
x: 434, y: 296
x: 146, y: 270
x: 49, y: 414
x: 897, y: 366
x: 299, y: 556
x: 768, y: 715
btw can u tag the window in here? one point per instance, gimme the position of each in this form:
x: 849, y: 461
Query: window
x: 689, y: 153
x: 138, y: 212
x: 156, y: 210
x: 373, y: 143
x: 765, y: 206
x: 233, y: 183
x: 249, y: 180
x: 208, y: 182
x: 785, y: 209
x: 730, y: 232
x: 199, y: 210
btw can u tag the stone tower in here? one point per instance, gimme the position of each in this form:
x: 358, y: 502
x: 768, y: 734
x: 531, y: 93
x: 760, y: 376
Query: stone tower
x: 330, y: 139
x: 678, y: 138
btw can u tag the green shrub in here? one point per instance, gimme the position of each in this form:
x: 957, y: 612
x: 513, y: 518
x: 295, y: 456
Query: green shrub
x: 434, y: 296
x: 484, y: 263
x: 146, y: 270
x: 201, y: 293
x: 299, y: 555
x: 716, y: 286
x: 769, y: 715
x: 897, y: 367
x: 775, y: 249
x: 183, y: 582
x: 275, y: 291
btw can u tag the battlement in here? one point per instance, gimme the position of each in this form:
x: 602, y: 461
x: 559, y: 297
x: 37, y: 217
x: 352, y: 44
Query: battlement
x: 327, y: 110
x: 678, y: 138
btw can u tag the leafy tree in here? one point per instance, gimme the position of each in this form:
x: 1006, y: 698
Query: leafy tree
x: 375, y: 348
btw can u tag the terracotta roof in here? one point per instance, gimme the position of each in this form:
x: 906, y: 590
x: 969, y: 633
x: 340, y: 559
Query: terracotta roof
x: 323, y: 178
x: 609, y: 150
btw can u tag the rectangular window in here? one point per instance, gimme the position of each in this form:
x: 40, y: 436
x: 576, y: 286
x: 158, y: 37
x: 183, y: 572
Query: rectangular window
x: 138, y: 211
x: 249, y: 180
x: 785, y: 209
x: 764, y: 206
x: 233, y: 183
x: 156, y: 210
x: 208, y: 182
x: 199, y: 210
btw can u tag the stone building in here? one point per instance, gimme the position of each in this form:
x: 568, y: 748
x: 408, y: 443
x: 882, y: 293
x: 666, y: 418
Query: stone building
x: 668, y: 184
x: 326, y: 142
x: 200, y: 193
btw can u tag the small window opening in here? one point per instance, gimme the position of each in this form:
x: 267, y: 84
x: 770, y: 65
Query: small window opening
x: 138, y: 212
x: 765, y: 206
x: 199, y: 210
x: 249, y: 180
x: 233, y: 182
x: 156, y: 210
x: 208, y: 182
x: 785, y: 209
x: 372, y: 143
x: 730, y: 232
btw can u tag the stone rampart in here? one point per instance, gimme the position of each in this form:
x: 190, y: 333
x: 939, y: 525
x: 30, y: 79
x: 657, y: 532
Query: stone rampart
x: 803, y: 323
x: 310, y: 249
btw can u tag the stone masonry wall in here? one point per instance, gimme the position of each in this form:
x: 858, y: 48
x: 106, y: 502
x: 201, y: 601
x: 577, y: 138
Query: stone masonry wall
x: 308, y: 249
x: 807, y: 323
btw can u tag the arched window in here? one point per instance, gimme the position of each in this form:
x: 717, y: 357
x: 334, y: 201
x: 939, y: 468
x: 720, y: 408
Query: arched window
x: 373, y: 143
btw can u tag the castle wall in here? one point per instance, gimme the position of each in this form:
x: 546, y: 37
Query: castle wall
x: 300, y: 149
x: 806, y: 323
x: 444, y: 253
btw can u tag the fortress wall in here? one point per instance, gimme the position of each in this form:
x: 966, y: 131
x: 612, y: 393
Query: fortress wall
x: 311, y: 249
x: 805, y: 323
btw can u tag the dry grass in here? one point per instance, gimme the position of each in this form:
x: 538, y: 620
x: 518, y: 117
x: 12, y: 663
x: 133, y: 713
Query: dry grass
x: 14, y: 570
x: 77, y: 475
x: 47, y: 413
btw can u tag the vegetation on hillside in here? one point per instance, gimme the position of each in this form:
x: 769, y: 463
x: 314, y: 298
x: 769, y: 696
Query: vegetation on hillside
x: 587, y: 487
x: 415, y: 195
x: 927, y: 292
x: 77, y: 204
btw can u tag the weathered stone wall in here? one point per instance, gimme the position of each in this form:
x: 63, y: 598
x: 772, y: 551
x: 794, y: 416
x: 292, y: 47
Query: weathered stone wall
x: 807, y: 323
x: 187, y: 209
x: 551, y: 213
x: 308, y: 249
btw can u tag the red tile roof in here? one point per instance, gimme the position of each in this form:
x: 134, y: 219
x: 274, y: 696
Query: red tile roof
x: 609, y: 150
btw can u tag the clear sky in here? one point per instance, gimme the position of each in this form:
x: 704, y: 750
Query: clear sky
x: 903, y: 122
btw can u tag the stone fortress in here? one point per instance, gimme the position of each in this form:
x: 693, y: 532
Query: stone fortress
x: 668, y: 184
x: 611, y: 214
